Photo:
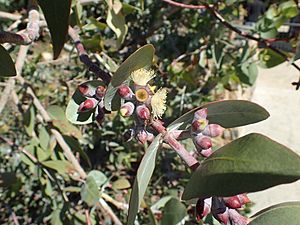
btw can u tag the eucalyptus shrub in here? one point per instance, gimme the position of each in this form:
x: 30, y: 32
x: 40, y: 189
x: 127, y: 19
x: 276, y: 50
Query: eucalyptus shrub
x: 133, y: 96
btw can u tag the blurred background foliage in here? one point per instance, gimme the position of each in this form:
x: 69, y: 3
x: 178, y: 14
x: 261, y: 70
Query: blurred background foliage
x: 197, y: 59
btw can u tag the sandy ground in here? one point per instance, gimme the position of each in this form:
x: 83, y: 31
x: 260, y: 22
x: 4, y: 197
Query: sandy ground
x: 273, y: 91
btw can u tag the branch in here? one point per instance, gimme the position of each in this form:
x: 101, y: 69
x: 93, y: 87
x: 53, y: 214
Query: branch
x: 29, y: 35
x: 84, y: 58
x: 170, y: 139
x: 219, y: 17
x: 10, y: 16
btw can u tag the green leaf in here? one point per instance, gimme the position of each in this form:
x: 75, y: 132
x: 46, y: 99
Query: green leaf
x: 7, y: 66
x: 160, y: 203
x: 29, y: 120
x: 251, y: 163
x: 57, y: 14
x: 289, y: 9
x: 142, y: 179
x: 62, y: 167
x: 89, y: 192
x: 228, y: 113
x: 173, y: 212
x: 248, y: 73
x: 121, y: 184
x: 42, y: 154
x: 112, y: 101
x: 44, y: 137
x: 98, y: 176
x: 56, y: 217
x: 60, y: 121
x: 268, y: 58
x: 72, y: 189
x: 142, y: 57
x: 284, y: 213
x: 72, y: 113
x: 116, y: 21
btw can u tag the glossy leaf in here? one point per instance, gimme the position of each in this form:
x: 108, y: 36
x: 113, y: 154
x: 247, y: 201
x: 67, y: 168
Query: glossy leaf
x: 72, y: 113
x: 248, y: 164
x: 173, y: 212
x: 228, y: 113
x: 7, y: 66
x: 89, y: 192
x: 142, y: 179
x: 143, y: 57
x: 284, y: 213
x: 57, y: 14
x: 268, y: 58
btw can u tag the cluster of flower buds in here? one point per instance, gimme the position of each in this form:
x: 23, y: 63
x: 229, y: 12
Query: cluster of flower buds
x: 142, y: 103
x: 202, y: 132
x: 223, y: 209
x: 94, y: 100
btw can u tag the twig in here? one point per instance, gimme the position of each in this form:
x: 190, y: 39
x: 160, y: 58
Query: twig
x: 109, y: 211
x: 119, y: 205
x: 84, y: 58
x: 219, y: 17
x: 15, y: 219
x: 170, y: 139
x: 10, y: 16
x: 87, y: 217
x: 187, y: 6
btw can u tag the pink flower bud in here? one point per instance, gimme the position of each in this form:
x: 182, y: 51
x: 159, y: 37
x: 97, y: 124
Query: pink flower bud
x: 86, y: 90
x: 202, y: 142
x: 200, y: 114
x: 100, y: 92
x: 150, y: 137
x: 202, y: 208
x: 233, y: 202
x: 222, y: 217
x: 125, y: 92
x: 127, y: 109
x: 87, y: 105
x: 219, y: 210
x: 143, y: 112
x: 199, y: 125
x: 243, y: 198
x: 236, y: 218
x: 142, y: 136
x: 100, y: 115
x: 213, y: 130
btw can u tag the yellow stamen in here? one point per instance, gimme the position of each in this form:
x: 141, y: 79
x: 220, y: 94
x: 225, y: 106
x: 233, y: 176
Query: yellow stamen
x: 141, y: 95
x: 123, y: 111
x: 158, y: 103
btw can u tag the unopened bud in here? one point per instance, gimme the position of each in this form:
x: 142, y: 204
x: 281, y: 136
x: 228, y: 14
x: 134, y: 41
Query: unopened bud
x: 150, y: 137
x: 127, y: 109
x: 87, y: 105
x: 243, y: 198
x: 202, y: 208
x: 86, y: 90
x: 128, y: 135
x: 125, y: 92
x: 236, y: 218
x: 100, y: 92
x: 100, y: 116
x: 213, y: 130
x: 199, y: 125
x: 143, y: 112
x: 202, y: 142
x: 200, y: 114
x: 142, y: 136
x: 233, y: 202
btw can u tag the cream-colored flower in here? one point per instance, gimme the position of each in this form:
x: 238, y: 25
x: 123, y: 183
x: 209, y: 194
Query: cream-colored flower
x: 158, y: 102
x: 142, y: 76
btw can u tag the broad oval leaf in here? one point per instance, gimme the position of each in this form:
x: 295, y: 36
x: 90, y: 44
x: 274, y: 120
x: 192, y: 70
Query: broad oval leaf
x: 248, y: 164
x: 7, y: 66
x: 142, y: 57
x: 61, y: 166
x: 268, y: 58
x: 89, y: 191
x: 284, y: 213
x: 173, y: 212
x: 72, y: 113
x: 228, y: 113
x: 142, y: 179
x: 57, y: 14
